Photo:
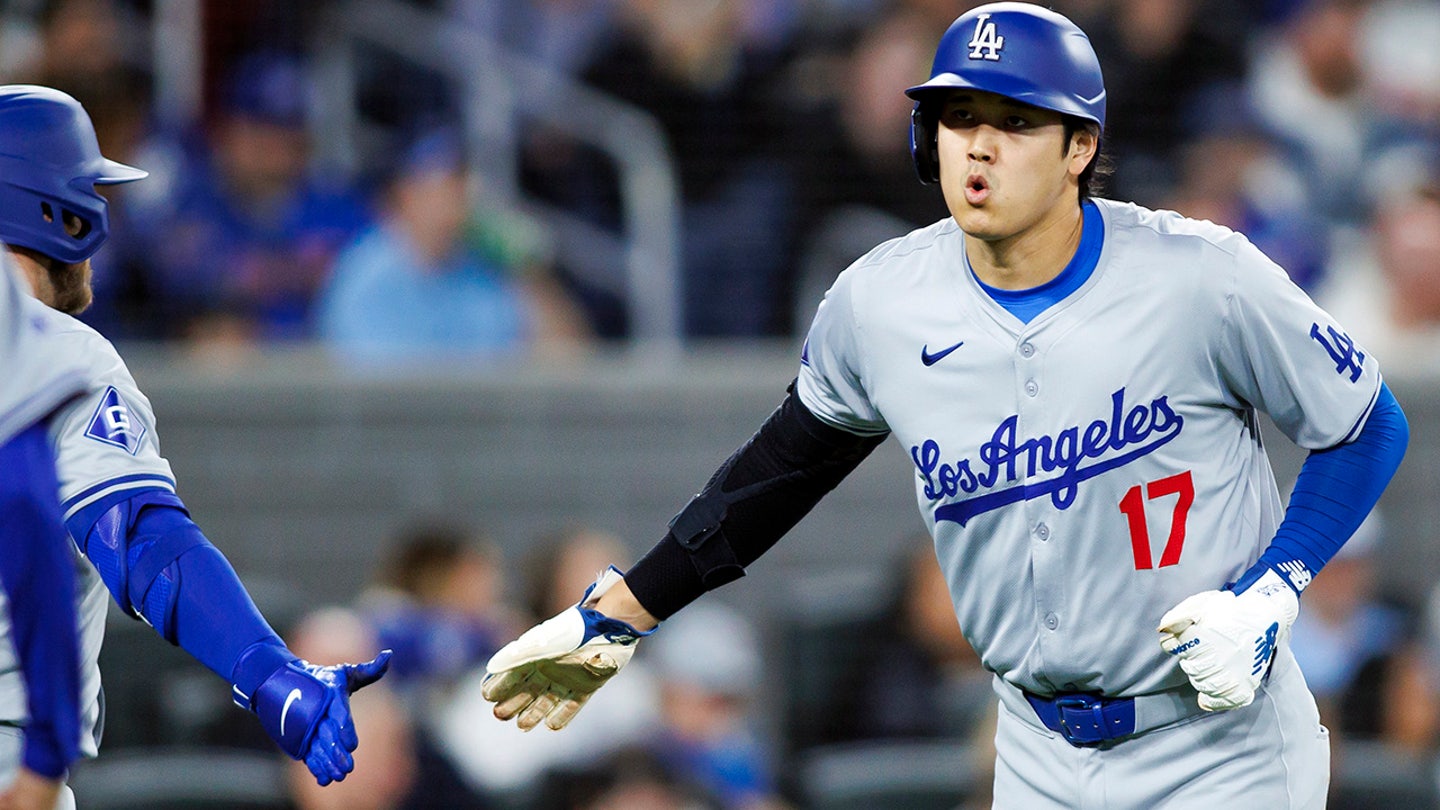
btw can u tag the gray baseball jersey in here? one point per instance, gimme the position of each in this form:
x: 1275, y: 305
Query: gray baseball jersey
x: 104, y: 443
x: 33, y: 380
x: 1084, y: 472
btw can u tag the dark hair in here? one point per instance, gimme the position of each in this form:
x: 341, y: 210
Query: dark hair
x: 422, y: 551
x: 1092, y: 180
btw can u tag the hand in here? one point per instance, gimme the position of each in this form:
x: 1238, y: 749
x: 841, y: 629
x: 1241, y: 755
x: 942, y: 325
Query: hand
x: 306, y: 710
x: 31, y: 791
x: 1225, y: 641
x: 552, y: 670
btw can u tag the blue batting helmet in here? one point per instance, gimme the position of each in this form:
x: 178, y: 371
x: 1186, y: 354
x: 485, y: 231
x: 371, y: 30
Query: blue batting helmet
x: 1017, y: 50
x: 50, y: 163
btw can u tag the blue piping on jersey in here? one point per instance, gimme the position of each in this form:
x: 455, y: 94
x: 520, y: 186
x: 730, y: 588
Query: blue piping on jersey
x: 1027, y: 304
x: 110, y: 486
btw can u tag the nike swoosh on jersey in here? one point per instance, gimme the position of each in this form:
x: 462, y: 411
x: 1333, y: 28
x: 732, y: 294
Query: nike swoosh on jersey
x: 289, y: 701
x: 931, y: 359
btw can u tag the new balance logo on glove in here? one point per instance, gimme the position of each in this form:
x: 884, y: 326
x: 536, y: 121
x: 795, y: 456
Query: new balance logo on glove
x: 1264, y: 648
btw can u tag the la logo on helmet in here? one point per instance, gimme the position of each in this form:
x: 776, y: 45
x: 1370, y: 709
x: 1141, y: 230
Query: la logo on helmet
x: 985, y: 44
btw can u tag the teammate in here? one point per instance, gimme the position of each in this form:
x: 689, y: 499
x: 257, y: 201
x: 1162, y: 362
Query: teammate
x: 35, y: 567
x: 1076, y: 381
x: 117, y: 491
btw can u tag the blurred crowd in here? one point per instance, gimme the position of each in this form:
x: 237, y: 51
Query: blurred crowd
x: 727, y: 707
x: 1311, y: 125
x: 682, y: 730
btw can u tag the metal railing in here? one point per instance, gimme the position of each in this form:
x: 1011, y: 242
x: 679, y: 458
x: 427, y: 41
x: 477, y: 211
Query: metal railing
x: 501, y: 93
x: 176, y: 55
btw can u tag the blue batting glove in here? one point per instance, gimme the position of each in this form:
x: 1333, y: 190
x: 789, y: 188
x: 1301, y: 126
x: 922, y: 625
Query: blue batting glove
x: 306, y: 710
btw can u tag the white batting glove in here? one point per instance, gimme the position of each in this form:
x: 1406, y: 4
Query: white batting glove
x: 1225, y: 641
x: 554, y: 667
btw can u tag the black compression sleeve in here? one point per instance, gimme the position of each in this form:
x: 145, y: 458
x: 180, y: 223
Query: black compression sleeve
x: 755, y: 497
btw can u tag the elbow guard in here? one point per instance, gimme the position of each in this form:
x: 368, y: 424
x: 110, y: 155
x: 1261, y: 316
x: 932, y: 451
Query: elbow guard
x: 764, y: 489
x: 134, y: 545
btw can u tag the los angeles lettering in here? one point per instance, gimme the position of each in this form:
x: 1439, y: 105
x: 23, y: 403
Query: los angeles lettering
x: 1129, y: 434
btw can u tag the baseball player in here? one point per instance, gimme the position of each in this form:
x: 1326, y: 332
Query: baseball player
x: 1076, y: 382
x: 117, y: 491
x: 35, y: 566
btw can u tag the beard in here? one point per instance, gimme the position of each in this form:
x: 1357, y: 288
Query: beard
x: 71, y: 285
x: 65, y: 287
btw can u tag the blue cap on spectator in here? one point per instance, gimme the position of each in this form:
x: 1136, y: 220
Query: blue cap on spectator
x: 268, y: 86
x: 438, y: 149
x: 424, y: 150
x: 1223, y: 110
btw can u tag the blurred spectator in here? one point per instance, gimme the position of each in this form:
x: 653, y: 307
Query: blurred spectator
x: 1360, y: 654
x: 1231, y: 175
x: 119, y: 104
x: 500, y: 760
x: 414, y: 284
x: 1156, y: 56
x: 242, y: 236
x: 437, y: 604
x: 707, y: 659
x: 395, y: 766
x: 1400, y: 60
x: 1308, y: 87
x: 95, y: 51
x: 1386, y: 288
x: 719, y: 106
x: 563, y: 35
x: 922, y: 679
x: 562, y: 564
x: 77, y: 42
x: 858, y: 149
x: 858, y: 184
x: 631, y: 779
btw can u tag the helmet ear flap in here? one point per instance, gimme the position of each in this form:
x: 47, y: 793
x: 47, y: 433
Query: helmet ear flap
x: 923, y: 131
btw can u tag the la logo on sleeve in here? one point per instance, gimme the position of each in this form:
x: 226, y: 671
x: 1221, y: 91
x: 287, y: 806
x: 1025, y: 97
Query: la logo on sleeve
x: 112, y: 423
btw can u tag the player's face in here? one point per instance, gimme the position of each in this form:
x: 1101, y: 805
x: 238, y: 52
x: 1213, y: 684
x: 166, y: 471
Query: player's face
x: 1005, y: 166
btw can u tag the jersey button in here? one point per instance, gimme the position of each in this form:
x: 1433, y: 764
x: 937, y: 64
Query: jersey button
x: 1043, y: 532
x: 1032, y: 388
x: 1027, y: 350
x: 1052, y: 621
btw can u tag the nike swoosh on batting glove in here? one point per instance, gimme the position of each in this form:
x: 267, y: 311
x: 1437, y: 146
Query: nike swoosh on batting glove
x: 549, y: 672
x: 1226, y: 641
x: 306, y: 709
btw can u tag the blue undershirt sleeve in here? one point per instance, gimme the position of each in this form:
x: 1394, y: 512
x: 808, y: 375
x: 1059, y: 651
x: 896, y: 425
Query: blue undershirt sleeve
x: 1335, y: 490
x: 167, y: 572
x: 37, y: 569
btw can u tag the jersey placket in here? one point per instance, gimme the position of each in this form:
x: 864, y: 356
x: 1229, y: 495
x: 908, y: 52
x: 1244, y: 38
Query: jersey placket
x: 1045, y: 559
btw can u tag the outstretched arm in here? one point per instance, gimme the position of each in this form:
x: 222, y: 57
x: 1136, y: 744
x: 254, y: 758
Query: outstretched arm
x: 753, y: 500
x: 161, y: 568
x: 755, y: 497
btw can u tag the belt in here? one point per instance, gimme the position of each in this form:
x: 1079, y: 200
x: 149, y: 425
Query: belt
x: 1088, y: 720
x: 1085, y: 719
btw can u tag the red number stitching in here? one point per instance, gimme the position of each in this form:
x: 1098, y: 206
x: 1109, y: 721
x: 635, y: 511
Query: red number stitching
x: 1133, y: 507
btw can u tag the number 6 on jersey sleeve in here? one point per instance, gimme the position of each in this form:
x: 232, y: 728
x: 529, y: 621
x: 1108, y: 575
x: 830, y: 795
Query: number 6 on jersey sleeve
x: 1133, y: 506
